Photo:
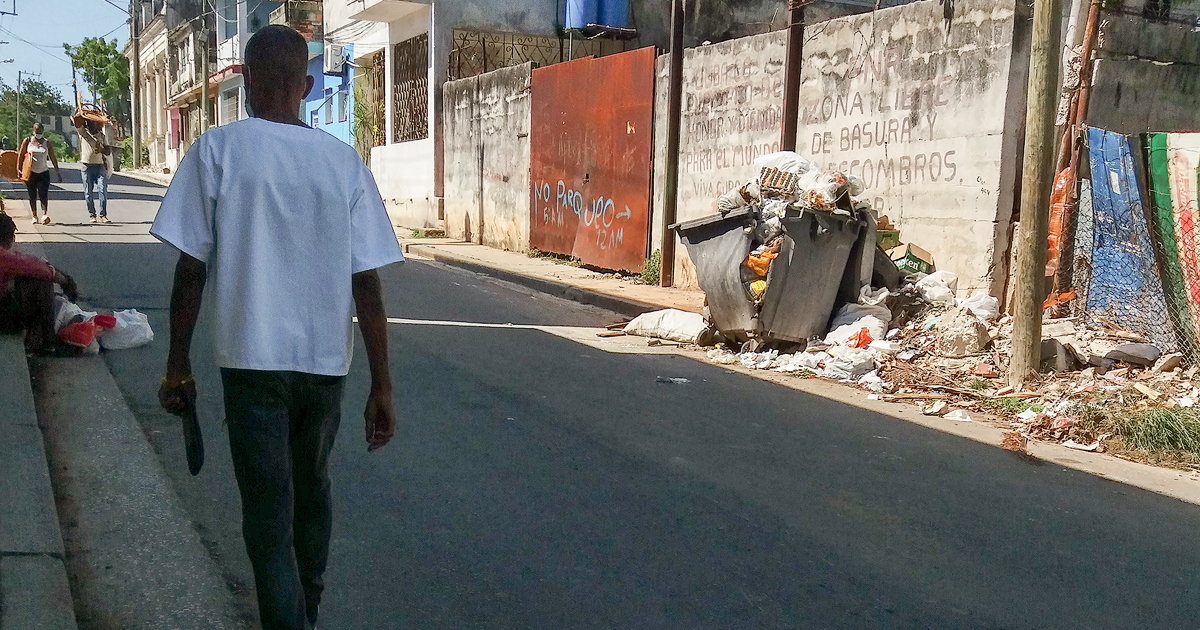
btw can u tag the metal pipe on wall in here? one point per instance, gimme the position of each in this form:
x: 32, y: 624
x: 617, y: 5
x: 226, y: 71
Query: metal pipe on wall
x: 674, y: 115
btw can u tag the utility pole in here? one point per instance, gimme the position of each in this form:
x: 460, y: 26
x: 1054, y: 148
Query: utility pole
x: 791, y: 86
x: 674, y: 114
x: 17, y: 122
x: 205, y: 69
x: 135, y: 113
x: 1036, y: 182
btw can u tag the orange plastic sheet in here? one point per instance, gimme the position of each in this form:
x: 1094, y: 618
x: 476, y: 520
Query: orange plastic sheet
x: 1059, y: 200
x: 761, y: 263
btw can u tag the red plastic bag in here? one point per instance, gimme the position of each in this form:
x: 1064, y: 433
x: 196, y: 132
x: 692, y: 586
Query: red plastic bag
x: 105, y: 322
x: 78, y: 334
x: 861, y: 339
x: 1060, y: 198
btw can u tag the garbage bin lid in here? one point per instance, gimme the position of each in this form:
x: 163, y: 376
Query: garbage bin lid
x: 739, y: 213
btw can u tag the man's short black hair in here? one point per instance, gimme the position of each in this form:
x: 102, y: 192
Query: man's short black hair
x: 8, y: 229
x: 277, y: 55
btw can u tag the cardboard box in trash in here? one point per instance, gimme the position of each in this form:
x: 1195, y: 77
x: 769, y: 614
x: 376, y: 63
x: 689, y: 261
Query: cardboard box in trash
x: 911, y: 258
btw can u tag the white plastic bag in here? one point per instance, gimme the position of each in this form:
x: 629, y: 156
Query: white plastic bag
x: 938, y: 286
x: 671, y: 324
x: 132, y: 330
x: 789, y: 161
x: 852, y: 318
x: 848, y: 363
x: 65, y: 312
x: 984, y: 306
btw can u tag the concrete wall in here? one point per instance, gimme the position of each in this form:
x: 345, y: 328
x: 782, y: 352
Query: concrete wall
x: 1146, y: 78
x: 404, y: 174
x: 929, y: 115
x: 487, y: 120
x: 732, y: 112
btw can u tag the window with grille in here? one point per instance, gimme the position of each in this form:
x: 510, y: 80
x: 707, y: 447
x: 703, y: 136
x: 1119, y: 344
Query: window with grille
x: 343, y: 105
x: 328, y: 103
x: 410, y: 89
x: 229, y: 106
x: 1157, y: 10
x: 315, y: 118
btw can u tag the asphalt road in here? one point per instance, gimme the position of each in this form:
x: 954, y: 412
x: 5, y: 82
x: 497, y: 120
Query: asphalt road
x: 538, y: 482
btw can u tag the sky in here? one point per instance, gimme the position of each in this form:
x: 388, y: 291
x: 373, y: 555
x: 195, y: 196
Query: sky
x: 48, y: 24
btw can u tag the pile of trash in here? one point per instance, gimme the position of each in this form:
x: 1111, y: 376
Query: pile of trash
x: 785, y: 181
x: 89, y: 331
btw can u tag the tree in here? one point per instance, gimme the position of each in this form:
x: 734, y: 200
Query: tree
x: 106, y: 73
x: 37, y: 99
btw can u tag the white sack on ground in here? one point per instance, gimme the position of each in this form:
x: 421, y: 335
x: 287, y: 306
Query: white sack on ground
x: 671, y: 324
x: 984, y: 306
x: 852, y: 318
x: 133, y: 330
x: 938, y: 286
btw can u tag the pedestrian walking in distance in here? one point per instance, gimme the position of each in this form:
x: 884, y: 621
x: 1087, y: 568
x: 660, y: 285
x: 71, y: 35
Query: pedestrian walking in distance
x: 94, y: 153
x: 41, y: 156
x: 285, y: 226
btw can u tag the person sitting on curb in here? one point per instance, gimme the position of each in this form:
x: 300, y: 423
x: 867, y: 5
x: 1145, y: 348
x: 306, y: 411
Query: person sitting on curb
x: 27, y: 293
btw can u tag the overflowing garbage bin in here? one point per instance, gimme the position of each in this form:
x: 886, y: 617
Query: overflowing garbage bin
x: 775, y: 260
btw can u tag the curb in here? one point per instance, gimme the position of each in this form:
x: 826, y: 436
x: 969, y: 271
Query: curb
x: 34, y: 591
x: 144, y: 177
x: 619, y: 305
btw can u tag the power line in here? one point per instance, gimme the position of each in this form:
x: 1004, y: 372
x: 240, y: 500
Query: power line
x: 117, y: 6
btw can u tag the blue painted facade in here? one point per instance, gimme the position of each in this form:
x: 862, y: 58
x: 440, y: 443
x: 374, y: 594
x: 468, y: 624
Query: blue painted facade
x: 330, y: 105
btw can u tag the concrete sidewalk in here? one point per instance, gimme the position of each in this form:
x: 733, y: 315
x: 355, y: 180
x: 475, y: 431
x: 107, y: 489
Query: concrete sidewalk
x: 34, y: 592
x: 573, y: 283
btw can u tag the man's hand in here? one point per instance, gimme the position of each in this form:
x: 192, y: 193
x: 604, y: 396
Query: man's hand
x: 381, y: 419
x: 175, y: 391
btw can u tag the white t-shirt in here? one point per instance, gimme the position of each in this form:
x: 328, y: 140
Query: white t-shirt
x: 283, y: 215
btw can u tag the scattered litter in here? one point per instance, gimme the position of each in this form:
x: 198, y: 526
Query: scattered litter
x: 1185, y: 401
x: 672, y: 324
x: 1147, y: 391
x: 1082, y: 447
x: 938, y: 287
x: 1014, y: 441
x: 959, y: 415
x: 675, y: 380
x: 132, y: 329
x: 936, y: 408
x: 1027, y: 415
x: 721, y: 356
x: 982, y: 305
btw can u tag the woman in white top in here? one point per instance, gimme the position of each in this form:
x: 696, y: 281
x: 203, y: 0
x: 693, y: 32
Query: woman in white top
x: 38, y: 184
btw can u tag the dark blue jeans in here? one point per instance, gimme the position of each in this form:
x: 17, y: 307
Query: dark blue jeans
x: 281, y: 430
x: 95, y: 178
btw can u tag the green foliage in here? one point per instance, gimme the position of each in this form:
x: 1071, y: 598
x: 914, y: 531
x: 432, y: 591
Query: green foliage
x: 62, y: 148
x: 37, y: 99
x: 979, y: 383
x: 652, y: 270
x: 106, y: 73
x: 1156, y: 434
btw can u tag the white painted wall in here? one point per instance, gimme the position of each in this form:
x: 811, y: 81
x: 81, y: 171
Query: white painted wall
x: 404, y: 173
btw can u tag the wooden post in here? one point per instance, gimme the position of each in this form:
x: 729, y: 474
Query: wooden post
x: 1036, y: 182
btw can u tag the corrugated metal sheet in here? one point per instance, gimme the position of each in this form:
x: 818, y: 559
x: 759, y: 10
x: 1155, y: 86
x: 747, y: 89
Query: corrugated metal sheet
x: 590, y: 151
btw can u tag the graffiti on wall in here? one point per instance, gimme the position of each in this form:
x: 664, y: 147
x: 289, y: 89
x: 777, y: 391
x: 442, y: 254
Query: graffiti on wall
x: 590, y: 159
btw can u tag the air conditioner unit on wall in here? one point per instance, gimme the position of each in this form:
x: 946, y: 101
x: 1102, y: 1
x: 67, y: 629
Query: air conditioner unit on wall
x: 335, y: 59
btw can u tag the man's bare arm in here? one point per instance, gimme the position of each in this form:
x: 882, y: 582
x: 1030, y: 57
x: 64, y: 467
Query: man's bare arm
x: 190, y: 275
x: 372, y: 321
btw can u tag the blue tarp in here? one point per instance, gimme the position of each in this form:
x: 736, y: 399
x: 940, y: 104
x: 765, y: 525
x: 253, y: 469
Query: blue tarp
x: 1125, y: 288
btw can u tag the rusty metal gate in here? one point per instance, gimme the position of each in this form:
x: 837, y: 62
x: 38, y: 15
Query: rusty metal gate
x: 590, y: 152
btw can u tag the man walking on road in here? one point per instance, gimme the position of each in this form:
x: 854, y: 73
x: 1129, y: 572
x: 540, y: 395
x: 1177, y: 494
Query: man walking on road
x: 93, y: 151
x: 286, y: 226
